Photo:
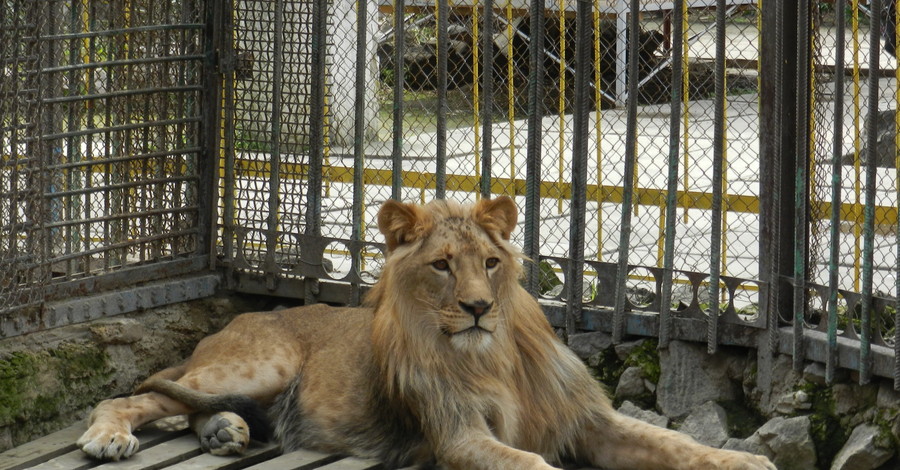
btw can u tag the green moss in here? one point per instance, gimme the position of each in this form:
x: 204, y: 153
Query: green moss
x: 40, y: 386
x: 646, y: 356
x: 825, y: 427
x: 606, y: 367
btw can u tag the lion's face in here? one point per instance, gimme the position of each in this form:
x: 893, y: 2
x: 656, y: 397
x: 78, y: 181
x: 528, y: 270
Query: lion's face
x: 453, y: 261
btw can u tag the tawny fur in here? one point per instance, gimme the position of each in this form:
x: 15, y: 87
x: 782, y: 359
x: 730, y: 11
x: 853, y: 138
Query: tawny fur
x: 452, y: 362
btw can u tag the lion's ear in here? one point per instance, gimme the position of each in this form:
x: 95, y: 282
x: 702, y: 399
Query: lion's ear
x: 402, y: 223
x: 497, y: 215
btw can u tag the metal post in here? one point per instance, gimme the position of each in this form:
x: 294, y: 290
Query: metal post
x: 270, y: 267
x: 628, y: 180
x: 317, y: 138
x: 443, y: 39
x: 672, y: 180
x: 871, y: 157
x: 399, y: 78
x: 228, y: 232
x: 801, y: 182
x: 575, y: 274
x: 487, y: 94
x: 777, y: 161
x: 359, y: 136
x: 836, y: 173
x: 715, y: 243
x: 532, y: 245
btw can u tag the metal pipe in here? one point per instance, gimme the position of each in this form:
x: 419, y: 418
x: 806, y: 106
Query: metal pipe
x: 868, y: 306
x: 487, y: 96
x: 274, y: 196
x: 399, y: 78
x: 618, y: 328
x: 578, y: 207
x: 801, y: 182
x: 834, y: 249
x: 532, y: 228
x: 313, y: 218
x: 665, y: 303
x: 443, y: 50
x: 359, y: 135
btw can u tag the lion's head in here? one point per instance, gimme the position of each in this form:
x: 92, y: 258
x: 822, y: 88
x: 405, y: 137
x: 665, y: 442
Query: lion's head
x: 452, y: 263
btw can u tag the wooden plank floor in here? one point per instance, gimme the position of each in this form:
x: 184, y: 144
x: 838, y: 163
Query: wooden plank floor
x: 164, y: 449
x: 168, y: 449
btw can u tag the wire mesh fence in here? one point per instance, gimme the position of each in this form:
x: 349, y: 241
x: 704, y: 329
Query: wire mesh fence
x: 100, y: 137
x: 704, y: 190
x: 462, y: 93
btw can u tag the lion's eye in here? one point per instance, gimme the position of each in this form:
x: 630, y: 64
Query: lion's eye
x: 492, y: 263
x: 441, y: 265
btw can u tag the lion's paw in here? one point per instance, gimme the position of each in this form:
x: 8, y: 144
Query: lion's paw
x: 734, y: 460
x: 106, y: 442
x: 225, y: 434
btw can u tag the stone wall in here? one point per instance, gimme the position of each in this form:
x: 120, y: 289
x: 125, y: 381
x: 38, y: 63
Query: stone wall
x: 801, y: 423
x: 51, y: 379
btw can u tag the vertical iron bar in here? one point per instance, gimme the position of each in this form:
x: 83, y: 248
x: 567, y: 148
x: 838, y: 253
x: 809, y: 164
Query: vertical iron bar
x: 217, y: 37
x: 628, y: 180
x: 672, y: 181
x: 443, y: 39
x: 896, y: 39
x: 583, y: 68
x: 836, y: 173
x: 777, y: 149
x: 399, y: 77
x: 275, y: 157
x: 359, y: 136
x: 801, y: 181
x: 532, y: 244
x: 73, y: 149
x: 715, y: 242
x: 871, y: 157
x: 319, y: 45
x: 487, y: 94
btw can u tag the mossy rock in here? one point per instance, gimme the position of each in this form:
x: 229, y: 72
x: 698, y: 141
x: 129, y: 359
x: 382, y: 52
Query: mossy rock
x: 31, y: 388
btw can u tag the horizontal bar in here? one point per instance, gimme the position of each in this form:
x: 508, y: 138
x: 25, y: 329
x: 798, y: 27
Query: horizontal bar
x: 98, y: 164
x: 549, y: 189
x: 116, y: 32
x: 130, y: 184
x: 126, y: 215
x: 123, y: 127
x: 115, y: 63
x: 126, y: 244
x: 122, y: 93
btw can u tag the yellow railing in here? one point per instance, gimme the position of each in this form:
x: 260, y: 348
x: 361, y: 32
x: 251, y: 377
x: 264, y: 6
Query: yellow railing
x: 548, y: 189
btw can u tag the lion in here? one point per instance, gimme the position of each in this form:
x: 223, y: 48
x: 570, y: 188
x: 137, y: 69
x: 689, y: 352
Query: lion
x: 449, y: 364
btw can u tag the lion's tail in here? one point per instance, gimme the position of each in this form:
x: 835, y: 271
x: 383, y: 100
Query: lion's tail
x: 242, y: 405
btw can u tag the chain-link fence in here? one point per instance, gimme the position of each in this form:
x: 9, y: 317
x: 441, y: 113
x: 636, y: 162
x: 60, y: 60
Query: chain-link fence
x: 716, y: 188
x: 678, y: 204
x: 100, y: 144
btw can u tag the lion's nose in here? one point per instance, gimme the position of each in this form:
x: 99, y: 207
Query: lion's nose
x: 477, y: 308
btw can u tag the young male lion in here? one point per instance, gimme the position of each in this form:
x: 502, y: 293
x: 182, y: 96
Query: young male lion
x: 453, y: 363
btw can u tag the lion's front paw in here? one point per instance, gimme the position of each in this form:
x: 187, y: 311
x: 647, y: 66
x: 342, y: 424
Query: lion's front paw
x: 225, y: 434
x: 107, y: 442
x: 733, y: 460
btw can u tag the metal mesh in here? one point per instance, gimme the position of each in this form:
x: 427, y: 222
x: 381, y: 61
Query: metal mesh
x: 21, y: 249
x: 99, y: 141
x: 485, y: 129
x: 853, y: 151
